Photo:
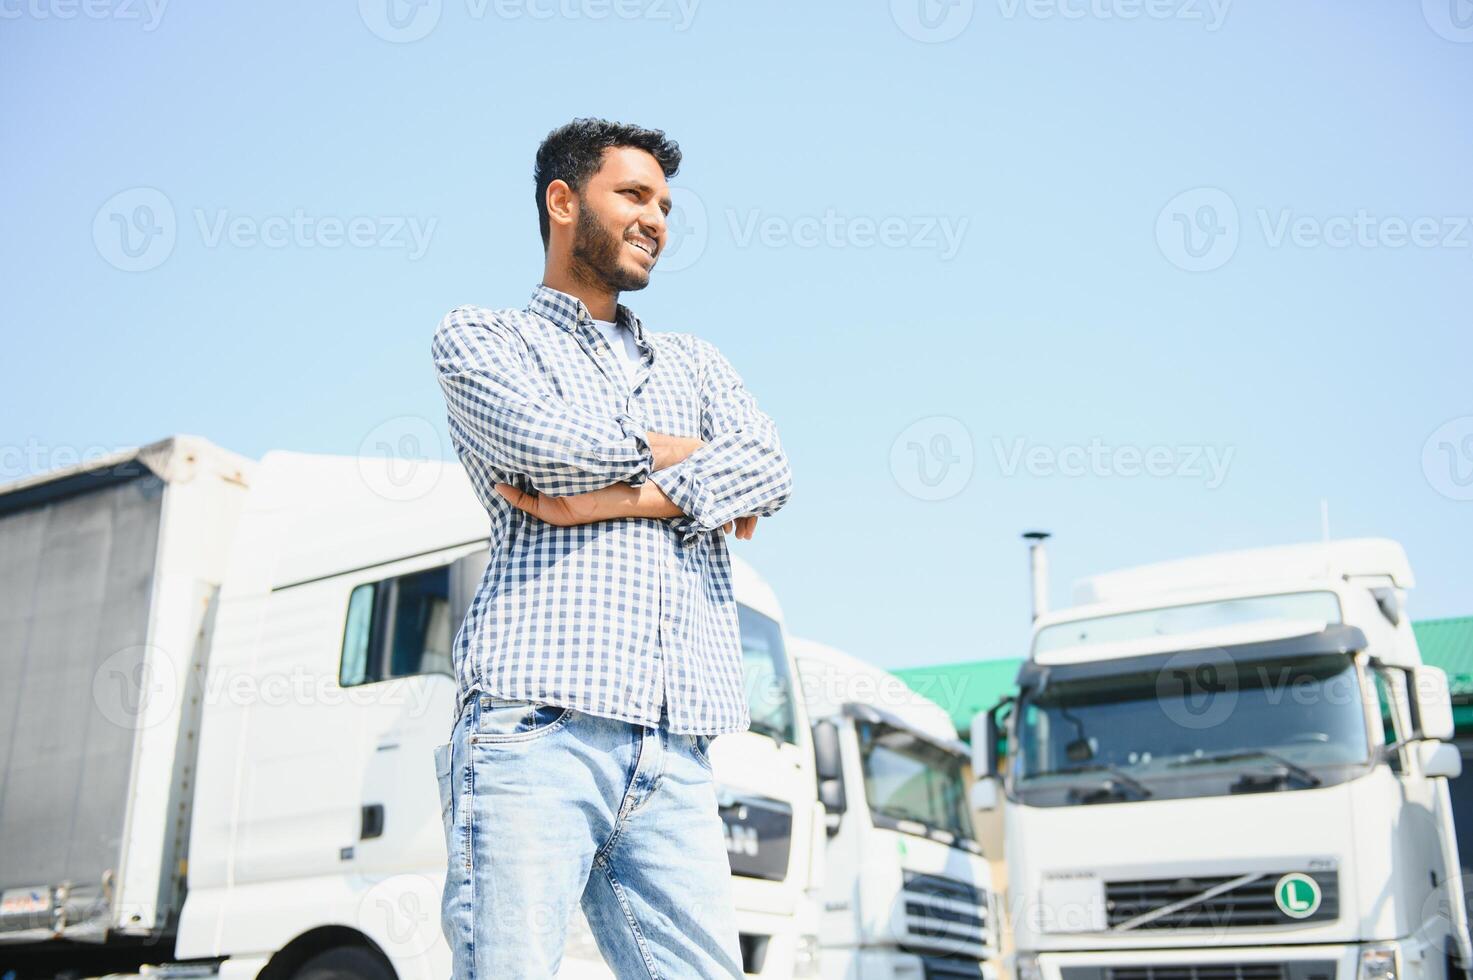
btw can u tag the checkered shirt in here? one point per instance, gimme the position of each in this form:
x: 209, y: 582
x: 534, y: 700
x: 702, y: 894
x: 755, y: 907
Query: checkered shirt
x: 616, y: 617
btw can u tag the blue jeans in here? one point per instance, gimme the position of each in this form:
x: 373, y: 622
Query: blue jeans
x: 545, y: 806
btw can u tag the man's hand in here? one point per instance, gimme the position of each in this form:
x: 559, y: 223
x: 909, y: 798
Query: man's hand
x: 669, y: 450
x: 744, y: 527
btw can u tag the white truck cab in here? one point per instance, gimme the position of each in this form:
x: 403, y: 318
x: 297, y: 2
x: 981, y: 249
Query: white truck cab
x: 908, y: 892
x: 1231, y: 767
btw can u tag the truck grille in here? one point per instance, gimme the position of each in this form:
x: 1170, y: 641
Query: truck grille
x: 1250, y: 904
x: 944, y: 915
x: 1216, y: 971
x: 1291, y: 970
x: 947, y: 968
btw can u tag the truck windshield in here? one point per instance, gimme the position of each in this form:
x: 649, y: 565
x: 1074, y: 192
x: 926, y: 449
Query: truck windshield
x: 765, y: 674
x: 1174, y: 620
x: 909, y: 778
x: 1259, y: 727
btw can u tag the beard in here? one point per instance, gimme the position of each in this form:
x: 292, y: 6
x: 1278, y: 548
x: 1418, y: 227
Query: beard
x: 597, y: 257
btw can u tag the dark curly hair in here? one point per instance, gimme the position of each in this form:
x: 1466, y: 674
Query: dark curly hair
x: 574, y: 152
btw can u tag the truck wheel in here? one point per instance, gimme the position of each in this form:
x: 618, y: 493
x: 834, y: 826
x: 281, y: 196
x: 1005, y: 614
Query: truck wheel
x: 345, y: 963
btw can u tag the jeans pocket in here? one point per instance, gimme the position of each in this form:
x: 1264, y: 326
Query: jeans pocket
x: 443, y: 756
x: 499, y: 719
x: 702, y: 745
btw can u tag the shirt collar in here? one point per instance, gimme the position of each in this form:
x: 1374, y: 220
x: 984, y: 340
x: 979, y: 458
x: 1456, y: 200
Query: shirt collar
x: 567, y: 311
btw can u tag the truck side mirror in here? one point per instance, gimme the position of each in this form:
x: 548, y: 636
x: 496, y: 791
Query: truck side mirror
x: 829, y: 765
x: 1433, y: 703
x: 465, y: 577
x: 984, y: 792
x: 1440, y: 759
x: 985, y: 740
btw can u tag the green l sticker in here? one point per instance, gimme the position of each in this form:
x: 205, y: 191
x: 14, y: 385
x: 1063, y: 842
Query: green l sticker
x: 1298, y: 895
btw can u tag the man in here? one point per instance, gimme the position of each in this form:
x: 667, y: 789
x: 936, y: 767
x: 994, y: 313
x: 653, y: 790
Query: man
x: 600, y: 654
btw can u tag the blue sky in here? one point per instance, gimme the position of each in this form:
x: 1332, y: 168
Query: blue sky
x: 1156, y: 275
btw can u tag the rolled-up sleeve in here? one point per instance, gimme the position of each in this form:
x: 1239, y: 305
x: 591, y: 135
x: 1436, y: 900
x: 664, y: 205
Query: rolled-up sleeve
x: 742, y: 469
x: 510, y: 418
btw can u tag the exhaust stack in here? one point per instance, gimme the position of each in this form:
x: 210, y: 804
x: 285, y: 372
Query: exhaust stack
x: 1038, y: 568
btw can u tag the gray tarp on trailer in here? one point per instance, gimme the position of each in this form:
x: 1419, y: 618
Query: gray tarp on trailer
x: 76, y: 568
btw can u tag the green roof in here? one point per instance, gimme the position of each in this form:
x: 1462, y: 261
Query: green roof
x: 1448, y: 643
x: 964, y: 689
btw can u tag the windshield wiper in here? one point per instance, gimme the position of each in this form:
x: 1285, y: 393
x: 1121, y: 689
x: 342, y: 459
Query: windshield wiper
x: 1117, y: 775
x: 1291, y: 768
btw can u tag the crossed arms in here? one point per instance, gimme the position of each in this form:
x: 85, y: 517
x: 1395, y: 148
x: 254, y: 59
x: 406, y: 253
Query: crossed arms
x: 582, y: 467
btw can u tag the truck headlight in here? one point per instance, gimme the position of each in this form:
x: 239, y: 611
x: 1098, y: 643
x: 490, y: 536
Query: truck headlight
x: 805, y: 957
x: 1378, y: 963
x: 1025, y: 967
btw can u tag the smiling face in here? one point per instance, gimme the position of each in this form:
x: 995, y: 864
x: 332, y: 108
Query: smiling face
x: 621, y: 229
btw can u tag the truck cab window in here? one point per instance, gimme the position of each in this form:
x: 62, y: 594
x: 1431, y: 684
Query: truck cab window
x: 397, y: 627
x: 765, y: 673
x: 1391, y: 690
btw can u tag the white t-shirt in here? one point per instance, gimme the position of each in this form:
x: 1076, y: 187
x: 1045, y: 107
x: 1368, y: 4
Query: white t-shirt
x: 621, y: 339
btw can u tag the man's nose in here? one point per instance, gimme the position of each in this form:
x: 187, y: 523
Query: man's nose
x: 653, y: 222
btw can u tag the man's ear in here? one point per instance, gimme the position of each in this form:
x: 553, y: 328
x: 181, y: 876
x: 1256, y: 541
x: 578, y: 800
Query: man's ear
x: 562, y: 203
